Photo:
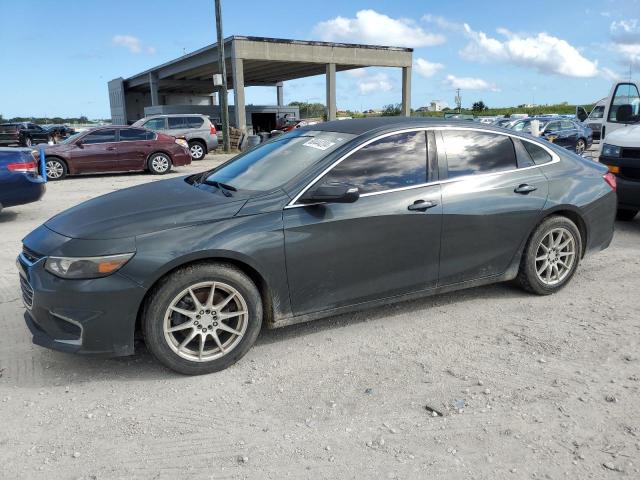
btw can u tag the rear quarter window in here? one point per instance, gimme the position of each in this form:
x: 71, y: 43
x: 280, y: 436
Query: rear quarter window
x: 538, y: 154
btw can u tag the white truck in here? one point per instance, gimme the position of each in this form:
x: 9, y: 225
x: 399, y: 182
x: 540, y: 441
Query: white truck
x: 620, y: 144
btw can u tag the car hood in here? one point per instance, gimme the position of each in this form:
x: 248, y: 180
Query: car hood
x: 147, y: 208
x: 628, y: 136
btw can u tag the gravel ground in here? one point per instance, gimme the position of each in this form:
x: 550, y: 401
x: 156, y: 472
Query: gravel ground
x: 525, y: 386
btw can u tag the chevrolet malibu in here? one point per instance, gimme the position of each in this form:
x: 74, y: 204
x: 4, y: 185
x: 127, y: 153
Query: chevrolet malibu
x: 326, y: 219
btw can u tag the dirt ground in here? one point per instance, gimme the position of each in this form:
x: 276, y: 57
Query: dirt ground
x: 527, y: 387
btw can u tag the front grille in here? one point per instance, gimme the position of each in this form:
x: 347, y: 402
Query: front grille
x: 27, y: 292
x: 630, y: 173
x: 630, y: 153
x: 30, y: 255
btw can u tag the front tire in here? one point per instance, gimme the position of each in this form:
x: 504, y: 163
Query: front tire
x: 197, y: 150
x: 551, y: 256
x: 626, y: 215
x: 56, y: 169
x: 159, y: 163
x: 202, y: 318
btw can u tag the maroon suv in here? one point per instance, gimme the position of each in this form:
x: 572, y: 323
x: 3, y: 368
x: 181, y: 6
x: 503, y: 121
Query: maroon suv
x: 115, y: 149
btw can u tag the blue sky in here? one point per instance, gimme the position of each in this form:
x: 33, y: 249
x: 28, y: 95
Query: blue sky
x: 57, y: 57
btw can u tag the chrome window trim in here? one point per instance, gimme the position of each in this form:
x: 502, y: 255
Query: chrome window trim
x: 554, y: 159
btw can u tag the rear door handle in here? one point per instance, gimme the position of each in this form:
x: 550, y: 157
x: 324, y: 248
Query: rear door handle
x: 422, y: 205
x: 524, y: 189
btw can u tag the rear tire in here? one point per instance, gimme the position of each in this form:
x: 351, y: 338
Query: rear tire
x: 581, y: 146
x: 551, y: 256
x: 190, y: 337
x: 159, y: 163
x: 27, y: 142
x: 197, y: 149
x: 626, y: 215
x: 56, y: 169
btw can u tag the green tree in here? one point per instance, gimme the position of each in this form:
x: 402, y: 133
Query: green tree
x: 392, y: 110
x: 479, y: 106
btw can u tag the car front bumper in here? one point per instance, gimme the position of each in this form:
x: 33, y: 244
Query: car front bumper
x: 628, y: 186
x: 95, y: 316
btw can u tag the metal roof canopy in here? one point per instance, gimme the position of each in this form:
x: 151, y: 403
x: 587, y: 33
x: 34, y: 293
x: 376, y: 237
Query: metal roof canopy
x: 260, y: 61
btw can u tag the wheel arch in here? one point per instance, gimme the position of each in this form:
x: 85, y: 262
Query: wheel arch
x: 201, y: 141
x: 573, y: 214
x: 239, y: 262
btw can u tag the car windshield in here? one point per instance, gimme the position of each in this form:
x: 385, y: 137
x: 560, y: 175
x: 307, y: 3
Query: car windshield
x: 274, y: 163
x: 71, y: 138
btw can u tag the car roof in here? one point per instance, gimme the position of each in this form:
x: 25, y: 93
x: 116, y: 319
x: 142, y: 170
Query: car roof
x: 156, y: 115
x: 361, y: 126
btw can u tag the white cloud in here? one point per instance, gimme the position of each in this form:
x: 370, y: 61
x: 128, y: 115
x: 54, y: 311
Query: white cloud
x: 469, y: 83
x: 371, y: 27
x: 626, y: 37
x: 425, y: 68
x: 133, y: 44
x: 630, y: 53
x: 374, y: 83
x: 357, y: 73
x: 544, y: 52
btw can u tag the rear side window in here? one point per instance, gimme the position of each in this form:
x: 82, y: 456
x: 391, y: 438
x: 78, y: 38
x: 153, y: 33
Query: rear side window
x: 177, y: 122
x: 132, y: 134
x: 538, y: 154
x: 101, y: 136
x: 194, y: 122
x: 471, y: 152
x: 396, y: 161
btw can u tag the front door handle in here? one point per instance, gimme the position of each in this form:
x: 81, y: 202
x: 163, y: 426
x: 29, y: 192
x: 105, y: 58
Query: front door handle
x: 111, y: 149
x: 422, y: 205
x: 524, y: 189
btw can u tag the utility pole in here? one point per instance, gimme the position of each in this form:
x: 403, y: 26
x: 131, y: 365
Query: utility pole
x: 458, y: 100
x: 222, y: 66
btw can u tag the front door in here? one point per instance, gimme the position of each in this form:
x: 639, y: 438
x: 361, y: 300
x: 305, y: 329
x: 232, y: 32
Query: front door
x: 489, y: 204
x: 379, y: 246
x: 97, y: 151
x: 134, y: 146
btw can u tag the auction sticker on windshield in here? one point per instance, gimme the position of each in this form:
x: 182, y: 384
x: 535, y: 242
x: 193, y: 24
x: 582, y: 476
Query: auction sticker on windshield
x: 319, y: 143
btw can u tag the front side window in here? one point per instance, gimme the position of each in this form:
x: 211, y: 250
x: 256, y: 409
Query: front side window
x: 552, y: 127
x: 566, y: 125
x: 274, y: 163
x: 155, y: 124
x: 101, y: 136
x: 395, y: 161
x: 471, y: 152
x: 133, y: 134
x: 597, y: 112
x: 625, y: 105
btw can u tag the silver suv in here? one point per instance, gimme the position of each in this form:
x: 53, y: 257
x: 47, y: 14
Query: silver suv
x: 197, y: 130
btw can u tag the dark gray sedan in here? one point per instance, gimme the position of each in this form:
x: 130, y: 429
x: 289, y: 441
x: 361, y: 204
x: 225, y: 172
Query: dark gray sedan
x: 327, y: 219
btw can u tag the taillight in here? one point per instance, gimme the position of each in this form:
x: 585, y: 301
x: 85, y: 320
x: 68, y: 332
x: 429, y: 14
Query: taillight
x: 213, y: 129
x: 610, y: 178
x: 23, y: 167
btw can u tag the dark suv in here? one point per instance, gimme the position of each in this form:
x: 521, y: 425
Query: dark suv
x: 24, y: 134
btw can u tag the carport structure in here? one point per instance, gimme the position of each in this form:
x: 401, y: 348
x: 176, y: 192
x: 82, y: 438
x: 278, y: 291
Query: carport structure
x: 252, y: 61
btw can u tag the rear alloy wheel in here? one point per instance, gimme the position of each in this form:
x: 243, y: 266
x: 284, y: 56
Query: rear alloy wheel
x: 159, y: 163
x: 581, y: 146
x: 626, y: 215
x: 551, y: 256
x: 56, y: 169
x: 197, y: 150
x: 203, y: 318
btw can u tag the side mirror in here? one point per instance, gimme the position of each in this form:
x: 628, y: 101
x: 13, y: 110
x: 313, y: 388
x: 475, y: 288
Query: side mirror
x: 624, y: 113
x: 581, y: 114
x: 331, y: 192
x: 79, y: 143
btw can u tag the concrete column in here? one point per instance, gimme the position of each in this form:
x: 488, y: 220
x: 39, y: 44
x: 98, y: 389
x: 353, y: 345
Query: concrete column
x: 331, y: 91
x: 280, y: 94
x: 153, y: 87
x: 213, y: 99
x: 238, y: 93
x: 406, y: 91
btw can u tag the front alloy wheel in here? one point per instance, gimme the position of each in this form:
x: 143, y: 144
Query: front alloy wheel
x: 159, y: 164
x: 56, y: 170
x: 202, y: 318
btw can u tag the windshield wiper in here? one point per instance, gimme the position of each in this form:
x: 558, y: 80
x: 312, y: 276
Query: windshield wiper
x: 224, y: 188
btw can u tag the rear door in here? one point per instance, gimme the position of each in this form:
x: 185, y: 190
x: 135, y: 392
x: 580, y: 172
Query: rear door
x: 376, y: 247
x: 134, y: 146
x: 96, y: 152
x: 178, y: 126
x: 491, y: 200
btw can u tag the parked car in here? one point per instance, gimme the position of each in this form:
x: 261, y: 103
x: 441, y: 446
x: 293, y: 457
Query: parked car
x: 20, y: 182
x: 115, y: 149
x: 197, y: 130
x: 569, y: 134
x: 58, y: 132
x: 621, y: 154
x: 326, y: 219
x: 524, y: 124
x: 502, y: 122
x: 24, y: 134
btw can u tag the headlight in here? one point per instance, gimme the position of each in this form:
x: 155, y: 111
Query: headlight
x: 610, y: 150
x: 182, y: 142
x: 86, y: 267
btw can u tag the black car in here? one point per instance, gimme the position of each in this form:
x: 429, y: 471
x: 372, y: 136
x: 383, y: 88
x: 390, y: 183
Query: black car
x: 24, y: 134
x: 326, y: 219
x: 569, y: 134
x: 59, y: 132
